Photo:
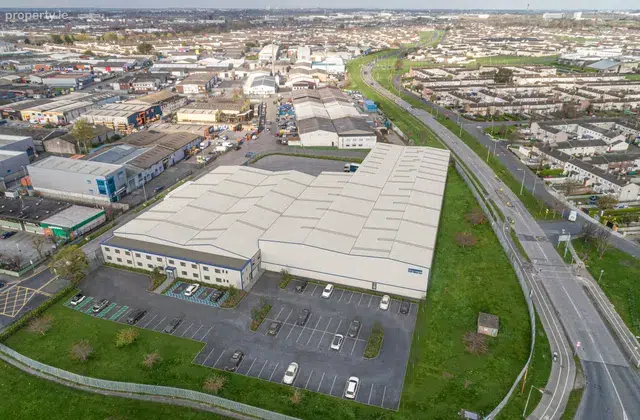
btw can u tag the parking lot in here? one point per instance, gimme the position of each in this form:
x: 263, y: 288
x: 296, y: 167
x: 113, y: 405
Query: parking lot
x: 21, y: 245
x: 266, y: 357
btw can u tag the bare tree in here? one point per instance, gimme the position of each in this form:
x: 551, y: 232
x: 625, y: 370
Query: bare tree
x: 475, y: 343
x: 570, y: 187
x: 588, y: 231
x: 38, y: 243
x: 606, y: 202
x: 81, y: 351
x: 296, y: 397
x: 602, y: 241
x: 465, y: 239
x: 151, y: 359
x: 214, y: 383
x: 476, y: 216
x: 41, y: 324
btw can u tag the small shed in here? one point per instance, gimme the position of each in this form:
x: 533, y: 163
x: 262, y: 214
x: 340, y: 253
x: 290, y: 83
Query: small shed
x: 370, y: 106
x: 488, y: 324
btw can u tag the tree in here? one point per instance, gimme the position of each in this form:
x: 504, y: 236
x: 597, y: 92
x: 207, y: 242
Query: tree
x: 398, y: 64
x: 145, y: 48
x: 570, y: 187
x: 110, y: 36
x: 38, y: 243
x: 606, y: 202
x: 602, y: 241
x: 83, y: 132
x: 151, y: 359
x: 68, y: 39
x: 504, y: 75
x: 589, y: 230
x: 568, y: 110
x: 41, y: 324
x: 476, y: 216
x: 214, y: 383
x: 465, y: 239
x: 419, y: 86
x: 27, y: 41
x: 56, y: 39
x: 70, y: 262
x: 475, y: 343
x: 126, y: 337
x: 88, y: 52
x: 81, y: 351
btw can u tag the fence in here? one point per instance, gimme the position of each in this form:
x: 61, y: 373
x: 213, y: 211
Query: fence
x: 7, y: 354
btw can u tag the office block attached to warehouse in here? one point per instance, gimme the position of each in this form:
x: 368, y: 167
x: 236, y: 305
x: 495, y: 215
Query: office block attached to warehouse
x: 373, y: 229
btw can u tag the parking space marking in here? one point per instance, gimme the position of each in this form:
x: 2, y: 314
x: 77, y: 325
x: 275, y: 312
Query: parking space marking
x: 218, y: 359
x: 314, y: 290
x: 399, y: 306
x: 290, y: 331
x: 265, y: 364
x: 370, y: 392
x: 182, y: 335
x: 274, y: 371
x: 254, y: 360
x: 341, y: 295
x: 370, y: 299
x: 209, y: 355
x: 158, y: 324
x: 352, y: 293
x: 206, y: 334
x: 125, y: 313
x: 356, y: 340
x: 383, y: 393
x: 278, y: 316
x: 194, y: 334
x: 319, y: 385
x: 314, y: 330
x: 308, y: 379
x: 361, y: 296
x: 285, y: 321
x: 150, y: 321
x: 238, y: 367
x: 304, y: 327
x: 334, y: 382
x: 139, y: 322
x: 323, y: 333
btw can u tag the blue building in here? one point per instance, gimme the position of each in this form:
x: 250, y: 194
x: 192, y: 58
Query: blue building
x: 369, y: 106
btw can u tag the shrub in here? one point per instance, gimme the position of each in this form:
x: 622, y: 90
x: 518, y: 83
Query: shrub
x: 41, y: 324
x: 286, y: 279
x: 296, y: 397
x: 126, y: 337
x: 258, y: 314
x: 214, y: 384
x: 475, y: 217
x: 374, y: 342
x: 81, y: 351
x: 465, y: 239
x: 151, y: 359
x: 475, y: 343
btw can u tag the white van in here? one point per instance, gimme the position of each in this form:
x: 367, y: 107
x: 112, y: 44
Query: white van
x: 191, y: 289
x: 573, y: 215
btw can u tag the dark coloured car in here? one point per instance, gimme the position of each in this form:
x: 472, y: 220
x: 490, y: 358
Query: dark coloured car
x: 238, y: 147
x: 136, y: 316
x: 404, y: 307
x: 1, y: 285
x: 172, y: 325
x: 354, y: 328
x: 8, y: 234
x: 77, y: 299
x: 216, y: 296
x: 100, y: 306
x: 158, y: 189
x: 274, y: 328
x: 303, y: 316
x: 234, y: 361
x: 301, y: 286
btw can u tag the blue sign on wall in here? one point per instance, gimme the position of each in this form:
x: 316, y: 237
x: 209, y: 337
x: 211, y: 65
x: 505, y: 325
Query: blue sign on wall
x: 415, y: 271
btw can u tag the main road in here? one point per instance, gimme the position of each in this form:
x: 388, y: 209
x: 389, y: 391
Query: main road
x: 570, y: 319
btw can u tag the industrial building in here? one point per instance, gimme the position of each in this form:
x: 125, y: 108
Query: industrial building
x: 73, y: 222
x: 228, y: 112
x: 260, y: 83
x: 68, y: 80
x: 327, y: 118
x: 78, y: 180
x: 123, y: 117
x: 374, y: 229
x: 168, y: 102
x: 196, y: 83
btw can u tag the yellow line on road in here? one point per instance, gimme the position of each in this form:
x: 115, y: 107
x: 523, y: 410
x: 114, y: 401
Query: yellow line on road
x: 47, y: 283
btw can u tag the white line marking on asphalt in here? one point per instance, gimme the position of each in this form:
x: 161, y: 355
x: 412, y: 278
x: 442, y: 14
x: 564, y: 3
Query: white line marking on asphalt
x: 158, y: 324
x: 349, y: 301
x: 194, y: 334
x: 206, y: 334
x: 370, y: 392
x: 254, y: 360
x: 209, y: 355
x: 320, y: 384
x: 182, y: 335
x: 383, y: 394
x: 274, y: 371
x: 341, y: 296
x: 218, y: 359
x: 290, y: 331
x: 140, y: 321
x: 370, y: 299
x: 314, y: 290
x: 238, y: 367
x: 124, y: 314
x: 361, y: 295
x: 314, y: 330
x: 285, y: 321
x: 278, y: 316
x: 304, y: 327
x: 265, y: 364
x: 334, y: 382
x: 324, y: 332
x: 308, y: 379
x: 356, y: 340
x: 150, y: 321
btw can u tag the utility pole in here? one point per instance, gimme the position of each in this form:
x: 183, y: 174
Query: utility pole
x: 522, y: 185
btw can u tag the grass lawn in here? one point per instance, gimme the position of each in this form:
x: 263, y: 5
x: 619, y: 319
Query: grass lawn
x: 514, y: 60
x: 26, y: 397
x: 620, y: 280
x: 632, y: 77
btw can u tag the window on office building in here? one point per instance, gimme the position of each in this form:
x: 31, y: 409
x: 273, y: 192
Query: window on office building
x: 117, y: 251
x: 129, y: 262
x: 218, y: 280
x: 119, y: 259
x: 207, y: 278
x: 184, y: 273
x: 137, y: 255
x: 171, y: 262
x: 195, y: 275
x: 217, y: 271
x: 139, y: 264
x: 159, y: 259
x: 109, y: 258
x: 194, y: 266
x: 183, y: 264
x: 127, y: 253
x: 205, y: 268
x: 107, y: 249
x: 148, y: 257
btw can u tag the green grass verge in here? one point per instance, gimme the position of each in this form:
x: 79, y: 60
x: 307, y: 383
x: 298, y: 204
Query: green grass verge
x: 575, y: 396
x: 99, y: 232
x: 374, y: 342
x: 619, y: 280
x: 516, y: 241
x: 514, y: 60
x: 632, y: 77
x: 26, y: 397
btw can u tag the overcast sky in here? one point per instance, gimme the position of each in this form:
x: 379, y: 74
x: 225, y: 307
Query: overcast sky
x: 408, y: 4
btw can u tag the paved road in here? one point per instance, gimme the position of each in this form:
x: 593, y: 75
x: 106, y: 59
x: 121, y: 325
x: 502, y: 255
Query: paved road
x: 559, y: 298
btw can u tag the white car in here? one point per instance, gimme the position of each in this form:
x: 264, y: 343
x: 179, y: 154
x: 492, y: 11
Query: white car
x: 191, y: 289
x: 352, y: 388
x: 384, y: 302
x: 336, y: 343
x: 291, y: 373
x: 328, y: 289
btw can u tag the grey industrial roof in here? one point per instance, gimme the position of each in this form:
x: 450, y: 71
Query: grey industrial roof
x: 173, y: 140
x: 119, y: 154
x: 603, y: 64
x: 197, y: 78
x: 150, y: 157
x: 76, y: 166
x: 72, y: 216
x: 30, y: 209
x: 352, y: 126
x: 309, y: 125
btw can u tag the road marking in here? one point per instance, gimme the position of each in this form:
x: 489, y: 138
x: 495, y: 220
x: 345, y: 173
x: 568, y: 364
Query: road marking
x: 238, y: 367
x: 308, y: 379
x: 370, y: 392
x: 218, y: 359
x: 207, y: 358
x: 47, y: 283
x: 139, y: 322
x: 383, y: 394
x: 314, y: 290
x: 319, y: 385
x: 324, y: 332
x: 254, y: 360
x: 334, y: 382
x: 194, y: 334
x: 356, y: 340
x: 341, y: 295
x: 303, y: 328
x: 314, y: 330
x: 352, y: 293
x: 265, y: 364
x: 285, y: 321
x: 188, y: 328
x: 361, y: 295
x: 370, y: 299
x: 124, y: 314
x: 278, y: 316
x: 150, y: 321
x: 274, y: 371
x: 159, y: 323
x: 290, y: 331
x: 206, y: 334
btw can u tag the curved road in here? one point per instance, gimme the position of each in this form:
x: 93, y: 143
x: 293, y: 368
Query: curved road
x: 568, y: 315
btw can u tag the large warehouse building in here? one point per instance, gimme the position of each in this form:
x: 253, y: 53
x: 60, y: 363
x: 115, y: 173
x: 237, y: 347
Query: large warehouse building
x: 373, y: 229
x: 327, y: 118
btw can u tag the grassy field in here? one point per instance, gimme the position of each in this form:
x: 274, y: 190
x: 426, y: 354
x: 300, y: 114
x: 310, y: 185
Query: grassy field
x: 632, y: 77
x: 619, y: 280
x: 26, y: 397
x: 514, y: 60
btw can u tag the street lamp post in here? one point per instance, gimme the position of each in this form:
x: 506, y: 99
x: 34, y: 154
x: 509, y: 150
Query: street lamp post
x: 522, y: 185
x: 600, y: 277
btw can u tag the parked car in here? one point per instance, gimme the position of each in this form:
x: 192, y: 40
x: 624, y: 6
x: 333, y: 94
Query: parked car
x: 249, y: 155
x: 1, y: 285
x: 303, y: 316
x: 7, y: 234
x: 136, y: 316
x: 158, y: 189
x: 274, y: 327
x: 301, y: 286
x: 216, y: 296
x: 336, y: 343
x: 404, y: 307
x: 351, y: 390
x: 100, y: 306
x: 77, y: 299
x: 191, y: 289
x: 172, y: 325
x: 234, y: 361
x: 384, y: 302
x: 328, y: 289
x: 291, y: 373
x: 354, y: 328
